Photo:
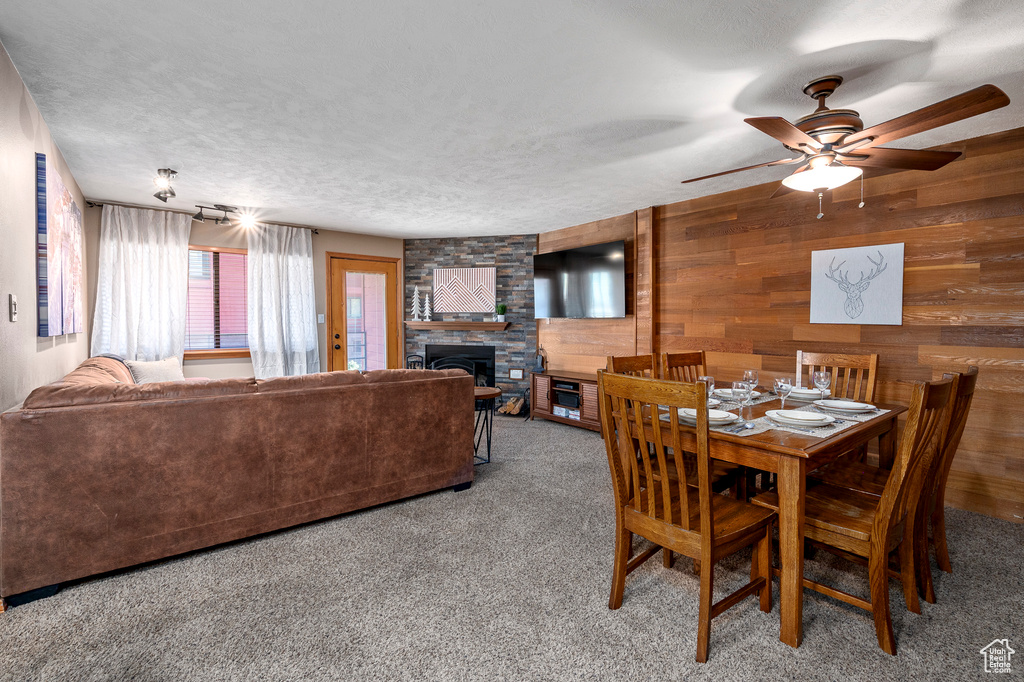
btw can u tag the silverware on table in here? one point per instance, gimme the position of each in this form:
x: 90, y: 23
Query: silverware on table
x: 740, y: 427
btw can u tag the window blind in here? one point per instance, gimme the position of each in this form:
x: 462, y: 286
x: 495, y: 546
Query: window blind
x: 217, y: 315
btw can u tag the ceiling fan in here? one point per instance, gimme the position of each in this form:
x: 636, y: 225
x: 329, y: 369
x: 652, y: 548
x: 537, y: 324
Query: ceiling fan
x: 834, y: 145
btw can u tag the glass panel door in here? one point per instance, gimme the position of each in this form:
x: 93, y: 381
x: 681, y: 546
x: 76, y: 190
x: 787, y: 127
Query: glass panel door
x: 364, y: 314
x: 366, y: 320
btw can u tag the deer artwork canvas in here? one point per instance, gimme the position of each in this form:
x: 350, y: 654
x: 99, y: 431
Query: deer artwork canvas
x: 862, y: 285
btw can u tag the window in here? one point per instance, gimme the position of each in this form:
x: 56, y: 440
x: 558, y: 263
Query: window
x: 216, y: 322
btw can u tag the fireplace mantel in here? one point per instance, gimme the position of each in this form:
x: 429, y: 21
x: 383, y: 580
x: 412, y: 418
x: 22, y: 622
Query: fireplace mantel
x: 458, y: 324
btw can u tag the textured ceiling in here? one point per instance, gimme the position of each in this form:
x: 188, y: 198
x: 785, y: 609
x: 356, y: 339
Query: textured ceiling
x: 469, y: 117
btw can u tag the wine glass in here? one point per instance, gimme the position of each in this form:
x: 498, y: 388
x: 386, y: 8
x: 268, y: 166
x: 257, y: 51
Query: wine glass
x: 741, y: 392
x: 750, y: 376
x: 821, y: 381
x: 710, y: 381
x: 783, y: 386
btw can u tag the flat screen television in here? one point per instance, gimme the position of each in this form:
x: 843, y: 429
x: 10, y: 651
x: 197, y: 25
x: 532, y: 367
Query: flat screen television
x: 585, y: 282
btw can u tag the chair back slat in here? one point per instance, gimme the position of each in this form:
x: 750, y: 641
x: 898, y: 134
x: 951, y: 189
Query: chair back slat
x: 683, y: 366
x: 962, y: 399
x: 927, y: 422
x: 634, y: 365
x: 853, y: 376
x: 642, y: 452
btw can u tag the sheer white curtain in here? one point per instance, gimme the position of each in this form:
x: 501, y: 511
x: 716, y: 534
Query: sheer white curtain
x: 142, y: 285
x: 282, y: 308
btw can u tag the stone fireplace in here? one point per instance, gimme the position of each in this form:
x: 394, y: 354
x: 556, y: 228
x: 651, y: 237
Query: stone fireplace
x: 514, y: 347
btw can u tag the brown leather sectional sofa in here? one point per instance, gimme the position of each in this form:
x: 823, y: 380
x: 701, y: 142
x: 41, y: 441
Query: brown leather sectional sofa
x: 98, y: 473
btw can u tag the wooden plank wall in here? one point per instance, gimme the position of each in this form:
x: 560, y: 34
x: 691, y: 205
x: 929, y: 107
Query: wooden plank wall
x: 732, y: 276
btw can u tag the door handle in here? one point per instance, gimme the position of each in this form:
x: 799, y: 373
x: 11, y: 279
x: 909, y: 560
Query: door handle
x: 337, y: 347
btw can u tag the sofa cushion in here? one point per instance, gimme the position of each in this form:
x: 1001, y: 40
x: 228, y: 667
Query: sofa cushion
x: 150, y: 372
x: 100, y: 370
x: 62, y: 394
x: 378, y: 376
x: 307, y: 381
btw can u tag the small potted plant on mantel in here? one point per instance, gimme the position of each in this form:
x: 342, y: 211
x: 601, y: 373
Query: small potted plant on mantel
x: 499, y: 312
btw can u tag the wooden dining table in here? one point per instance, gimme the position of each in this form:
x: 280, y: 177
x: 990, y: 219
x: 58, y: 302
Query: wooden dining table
x: 791, y: 456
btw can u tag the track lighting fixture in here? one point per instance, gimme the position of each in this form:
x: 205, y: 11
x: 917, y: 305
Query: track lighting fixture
x: 163, y: 183
x: 223, y: 220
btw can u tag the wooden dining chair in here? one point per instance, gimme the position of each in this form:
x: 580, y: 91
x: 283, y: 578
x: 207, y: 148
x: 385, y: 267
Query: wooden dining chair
x: 676, y: 516
x: 871, y: 480
x: 724, y: 476
x: 634, y: 365
x: 940, y: 473
x: 687, y: 367
x: 853, y: 376
x: 683, y: 366
x: 854, y: 524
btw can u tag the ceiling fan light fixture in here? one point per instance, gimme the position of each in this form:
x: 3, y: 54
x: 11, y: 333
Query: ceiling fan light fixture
x: 828, y: 176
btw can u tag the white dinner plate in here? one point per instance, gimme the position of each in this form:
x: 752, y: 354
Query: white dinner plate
x: 807, y: 420
x: 721, y: 421
x: 808, y: 393
x: 845, y: 406
x: 711, y: 403
x: 715, y: 417
x: 727, y: 393
x: 801, y: 416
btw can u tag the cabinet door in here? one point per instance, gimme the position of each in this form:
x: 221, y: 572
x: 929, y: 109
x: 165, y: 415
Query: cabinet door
x: 590, y: 409
x: 541, y: 393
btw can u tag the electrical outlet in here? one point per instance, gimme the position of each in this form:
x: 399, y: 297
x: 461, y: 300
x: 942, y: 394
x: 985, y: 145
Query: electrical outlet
x: 515, y: 374
x: 14, y: 308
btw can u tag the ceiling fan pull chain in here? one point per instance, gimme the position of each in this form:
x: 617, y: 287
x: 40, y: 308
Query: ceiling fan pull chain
x: 820, y: 213
x: 861, y: 204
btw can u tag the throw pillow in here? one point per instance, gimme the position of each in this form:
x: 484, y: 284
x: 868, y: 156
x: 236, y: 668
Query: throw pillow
x: 168, y: 369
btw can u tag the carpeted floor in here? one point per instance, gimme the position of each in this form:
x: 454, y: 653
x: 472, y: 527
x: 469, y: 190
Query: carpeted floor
x: 506, y: 581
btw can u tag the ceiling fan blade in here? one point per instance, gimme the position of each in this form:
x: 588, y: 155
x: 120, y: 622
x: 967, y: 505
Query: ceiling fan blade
x: 965, y: 105
x: 780, y: 162
x: 784, y: 131
x: 783, y: 190
x: 883, y: 157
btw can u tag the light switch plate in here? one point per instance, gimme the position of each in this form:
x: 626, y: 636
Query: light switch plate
x: 320, y: 318
x: 14, y: 308
x: 515, y: 374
